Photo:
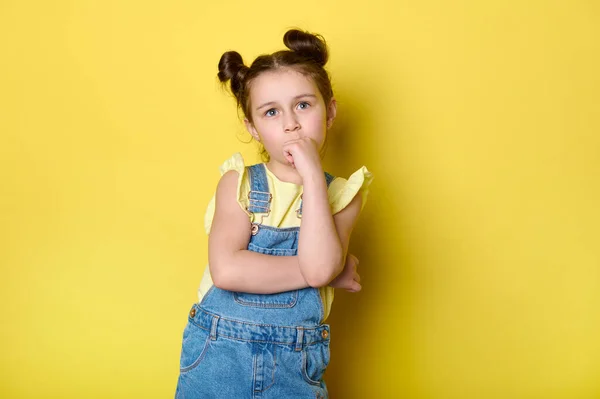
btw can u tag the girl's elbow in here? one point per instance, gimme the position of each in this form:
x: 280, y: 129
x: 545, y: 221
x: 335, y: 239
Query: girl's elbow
x: 315, y: 281
x: 224, y: 273
x: 217, y: 278
x: 220, y: 277
x: 323, y: 274
x: 219, y: 282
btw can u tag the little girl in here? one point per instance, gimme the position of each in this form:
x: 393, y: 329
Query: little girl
x: 278, y: 238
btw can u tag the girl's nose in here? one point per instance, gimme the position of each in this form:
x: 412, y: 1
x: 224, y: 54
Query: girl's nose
x: 291, y: 124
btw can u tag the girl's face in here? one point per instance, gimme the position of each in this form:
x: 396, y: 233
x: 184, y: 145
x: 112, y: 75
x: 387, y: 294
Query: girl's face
x: 287, y: 105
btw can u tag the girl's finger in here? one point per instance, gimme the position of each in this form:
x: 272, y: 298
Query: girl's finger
x: 289, y: 157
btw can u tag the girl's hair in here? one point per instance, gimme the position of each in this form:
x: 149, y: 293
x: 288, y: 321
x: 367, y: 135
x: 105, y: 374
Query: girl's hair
x: 307, y: 54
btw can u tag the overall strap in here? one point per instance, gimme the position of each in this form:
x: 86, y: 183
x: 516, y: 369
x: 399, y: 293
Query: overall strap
x: 259, y: 197
x: 328, y: 178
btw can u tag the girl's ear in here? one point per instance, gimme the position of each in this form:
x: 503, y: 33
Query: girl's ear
x: 251, y: 129
x: 331, y: 112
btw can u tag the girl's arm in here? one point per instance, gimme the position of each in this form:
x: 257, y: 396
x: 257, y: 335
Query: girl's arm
x: 232, y: 266
x: 324, y: 238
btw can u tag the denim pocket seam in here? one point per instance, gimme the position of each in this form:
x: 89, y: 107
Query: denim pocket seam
x: 305, y: 372
x: 236, y: 297
x: 198, y: 360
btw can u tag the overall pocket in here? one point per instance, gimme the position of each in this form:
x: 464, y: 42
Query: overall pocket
x: 280, y: 300
x: 285, y: 299
x: 195, y: 344
x: 315, y: 359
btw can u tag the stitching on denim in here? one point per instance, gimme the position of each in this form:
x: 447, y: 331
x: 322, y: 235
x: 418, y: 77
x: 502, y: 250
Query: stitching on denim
x: 257, y: 176
x: 280, y: 343
x: 199, y: 326
x: 267, y: 305
x: 210, y: 290
x: 305, y: 370
x: 197, y: 362
x: 299, y: 339
x: 285, y: 343
x: 274, y: 366
x: 312, y: 331
x: 270, y: 251
x: 254, y: 374
x: 265, y: 325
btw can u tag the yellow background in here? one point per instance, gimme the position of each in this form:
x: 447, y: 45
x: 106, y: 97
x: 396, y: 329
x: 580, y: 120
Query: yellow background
x: 479, y: 245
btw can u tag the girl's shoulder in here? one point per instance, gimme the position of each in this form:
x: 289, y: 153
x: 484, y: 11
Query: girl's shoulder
x: 236, y: 163
x: 233, y: 163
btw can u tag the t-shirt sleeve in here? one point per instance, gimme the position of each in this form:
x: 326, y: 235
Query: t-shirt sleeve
x: 236, y: 162
x: 342, y: 191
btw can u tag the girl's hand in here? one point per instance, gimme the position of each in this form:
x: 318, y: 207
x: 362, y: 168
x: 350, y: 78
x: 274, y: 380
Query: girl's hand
x: 303, y: 155
x: 348, y: 279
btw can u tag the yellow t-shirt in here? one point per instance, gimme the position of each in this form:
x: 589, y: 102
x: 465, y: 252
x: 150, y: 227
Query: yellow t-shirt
x: 285, y: 201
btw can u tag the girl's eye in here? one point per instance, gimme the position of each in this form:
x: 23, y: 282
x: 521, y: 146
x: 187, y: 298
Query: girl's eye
x: 303, y: 105
x: 271, y: 112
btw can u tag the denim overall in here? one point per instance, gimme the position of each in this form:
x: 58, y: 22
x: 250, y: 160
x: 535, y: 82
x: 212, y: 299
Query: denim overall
x: 240, y: 345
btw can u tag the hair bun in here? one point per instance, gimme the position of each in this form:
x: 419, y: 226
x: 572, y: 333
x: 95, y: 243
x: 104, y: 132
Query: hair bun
x: 307, y: 45
x: 231, y: 67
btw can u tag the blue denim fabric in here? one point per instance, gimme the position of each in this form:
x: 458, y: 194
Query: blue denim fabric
x: 240, y: 345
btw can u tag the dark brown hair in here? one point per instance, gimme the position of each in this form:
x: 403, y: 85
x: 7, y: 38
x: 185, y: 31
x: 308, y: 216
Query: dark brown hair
x: 307, y: 54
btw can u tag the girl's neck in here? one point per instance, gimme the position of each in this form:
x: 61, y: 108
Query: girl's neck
x: 284, y: 172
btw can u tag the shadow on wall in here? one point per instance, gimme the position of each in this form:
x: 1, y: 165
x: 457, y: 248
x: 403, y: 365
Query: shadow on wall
x: 352, y: 143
